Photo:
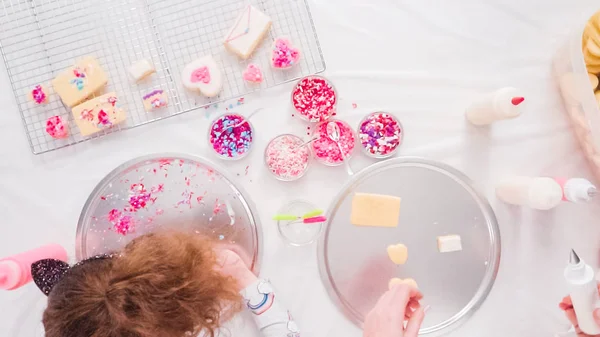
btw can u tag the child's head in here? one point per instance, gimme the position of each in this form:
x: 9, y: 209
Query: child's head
x: 161, y: 285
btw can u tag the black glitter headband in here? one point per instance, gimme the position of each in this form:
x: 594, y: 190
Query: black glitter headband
x: 47, y: 273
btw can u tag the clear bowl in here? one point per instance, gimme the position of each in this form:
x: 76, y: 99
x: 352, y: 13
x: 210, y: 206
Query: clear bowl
x: 297, y: 233
x: 212, y: 146
x: 325, y: 138
x: 300, y: 141
x: 333, y: 109
x: 192, y: 194
x: 580, y: 103
x: 379, y: 156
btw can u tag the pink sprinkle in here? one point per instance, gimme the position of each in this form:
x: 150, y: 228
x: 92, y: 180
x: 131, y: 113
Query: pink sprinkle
x: 326, y: 150
x: 354, y: 106
x: 125, y: 225
x: 247, y: 168
x: 160, y: 211
x: 314, y: 98
x: 285, y: 158
x: 139, y: 201
x: 114, y: 215
x: 57, y: 128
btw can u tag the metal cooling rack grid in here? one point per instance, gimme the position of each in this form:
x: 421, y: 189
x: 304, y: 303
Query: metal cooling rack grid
x: 41, y: 38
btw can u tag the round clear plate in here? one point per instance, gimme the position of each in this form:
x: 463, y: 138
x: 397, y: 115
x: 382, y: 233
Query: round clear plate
x: 187, y: 193
x: 437, y: 200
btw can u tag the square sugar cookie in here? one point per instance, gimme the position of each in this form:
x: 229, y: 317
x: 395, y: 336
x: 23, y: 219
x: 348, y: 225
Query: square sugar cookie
x: 375, y: 210
x: 248, y: 31
x: 98, y: 114
x: 80, y: 81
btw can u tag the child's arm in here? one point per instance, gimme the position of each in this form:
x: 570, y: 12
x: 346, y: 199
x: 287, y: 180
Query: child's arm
x: 271, y: 317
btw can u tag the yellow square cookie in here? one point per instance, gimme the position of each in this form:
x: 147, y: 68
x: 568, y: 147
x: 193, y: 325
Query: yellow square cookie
x: 375, y: 210
x: 80, y: 81
x: 98, y: 114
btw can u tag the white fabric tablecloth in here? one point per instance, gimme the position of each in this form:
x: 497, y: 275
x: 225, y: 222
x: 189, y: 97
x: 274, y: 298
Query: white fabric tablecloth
x: 424, y: 61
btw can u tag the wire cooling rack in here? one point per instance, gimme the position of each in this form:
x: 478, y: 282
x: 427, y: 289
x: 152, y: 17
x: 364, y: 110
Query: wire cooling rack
x: 41, y: 38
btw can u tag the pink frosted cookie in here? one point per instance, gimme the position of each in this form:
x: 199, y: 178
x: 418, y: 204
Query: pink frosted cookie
x: 57, y: 128
x: 253, y: 74
x: 284, y: 54
x: 39, y: 94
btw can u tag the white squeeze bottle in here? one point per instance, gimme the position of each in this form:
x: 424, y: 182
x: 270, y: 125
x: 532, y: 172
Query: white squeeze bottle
x: 536, y: 192
x: 583, y: 290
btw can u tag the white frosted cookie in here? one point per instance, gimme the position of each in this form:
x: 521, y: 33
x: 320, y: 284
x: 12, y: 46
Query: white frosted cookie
x: 249, y: 30
x: 203, y: 75
x: 141, y: 69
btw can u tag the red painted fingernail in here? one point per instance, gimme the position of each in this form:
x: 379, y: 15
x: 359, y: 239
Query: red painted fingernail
x: 517, y: 100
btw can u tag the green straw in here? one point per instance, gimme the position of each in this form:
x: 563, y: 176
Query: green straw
x: 312, y: 214
x: 285, y: 217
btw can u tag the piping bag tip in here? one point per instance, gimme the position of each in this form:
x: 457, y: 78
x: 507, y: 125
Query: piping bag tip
x: 574, y: 258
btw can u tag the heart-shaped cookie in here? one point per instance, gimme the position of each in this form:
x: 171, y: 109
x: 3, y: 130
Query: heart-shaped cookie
x: 203, y: 75
x: 398, y: 253
x: 408, y: 281
x: 284, y: 54
x: 253, y: 74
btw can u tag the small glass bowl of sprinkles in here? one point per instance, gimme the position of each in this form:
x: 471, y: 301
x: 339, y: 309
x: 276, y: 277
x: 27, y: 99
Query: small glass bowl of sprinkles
x: 286, y: 159
x: 231, y: 136
x: 380, y: 135
x: 326, y: 151
x: 314, y: 98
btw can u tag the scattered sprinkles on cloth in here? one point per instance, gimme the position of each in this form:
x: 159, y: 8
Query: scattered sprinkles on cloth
x: 228, y: 141
x: 314, y: 98
x: 380, y: 134
x: 286, y: 158
x: 326, y: 150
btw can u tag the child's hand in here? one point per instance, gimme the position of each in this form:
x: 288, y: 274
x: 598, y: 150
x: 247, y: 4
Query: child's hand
x: 566, y: 305
x: 390, y: 312
x: 231, y: 264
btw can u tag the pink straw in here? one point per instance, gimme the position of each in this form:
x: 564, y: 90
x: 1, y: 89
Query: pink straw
x: 317, y: 219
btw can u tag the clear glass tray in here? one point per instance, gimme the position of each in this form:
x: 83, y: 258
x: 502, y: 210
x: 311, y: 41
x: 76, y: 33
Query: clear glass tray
x: 188, y: 193
x: 437, y: 200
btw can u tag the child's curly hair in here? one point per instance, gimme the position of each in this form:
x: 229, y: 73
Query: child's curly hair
x: 163, y: 285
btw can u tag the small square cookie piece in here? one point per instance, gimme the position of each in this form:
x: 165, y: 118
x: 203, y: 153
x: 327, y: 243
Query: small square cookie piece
x: 79, y: 82
x: 141, y: 69
x: 375, y: 210
x: 449, y: 243
x: 155, y: 100
x: 39, y: 94
x: 98, y: 114
x: 249, y: 30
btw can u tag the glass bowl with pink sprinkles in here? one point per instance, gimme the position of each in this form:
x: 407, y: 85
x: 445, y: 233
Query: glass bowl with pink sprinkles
x: 231, y: 136
x: 286, y: 159
x: 314, y: 98
x: 326, y: 151
x: 380, y: 135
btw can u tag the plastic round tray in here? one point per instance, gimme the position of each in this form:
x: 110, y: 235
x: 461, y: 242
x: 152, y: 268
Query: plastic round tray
x: 187, y: 193
x: 437, y: 200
